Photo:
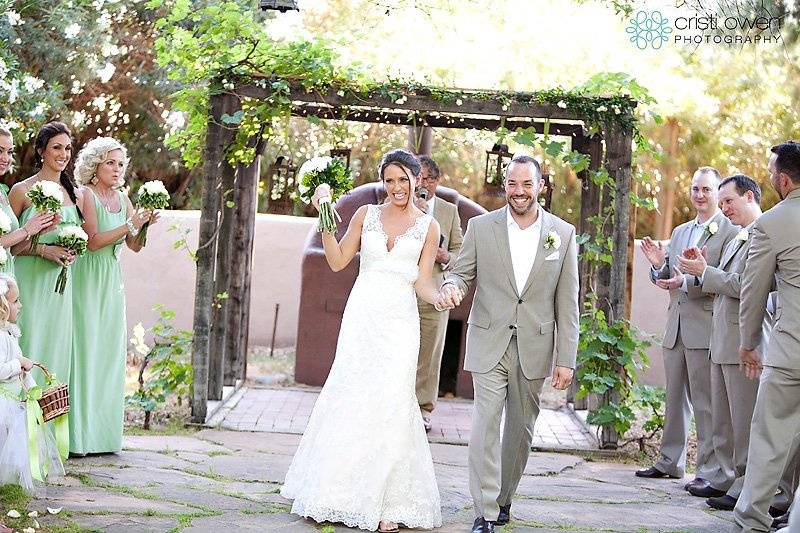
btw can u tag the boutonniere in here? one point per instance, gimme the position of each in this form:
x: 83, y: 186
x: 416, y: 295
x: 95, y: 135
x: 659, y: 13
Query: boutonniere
x: 712, y: 228
x: 742, y: 235
x: 552, y: 241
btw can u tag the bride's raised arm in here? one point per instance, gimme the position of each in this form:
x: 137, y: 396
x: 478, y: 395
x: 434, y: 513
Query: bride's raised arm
x: 424, y: 285
x: 339, y: 254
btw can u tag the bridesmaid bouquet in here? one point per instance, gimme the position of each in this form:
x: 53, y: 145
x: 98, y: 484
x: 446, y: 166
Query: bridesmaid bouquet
x: 5, y: 223
x: 3, y: 257
x: 46, y: 196
x: 152, y: 195
x: 72, y: 238
x: 331, y: 171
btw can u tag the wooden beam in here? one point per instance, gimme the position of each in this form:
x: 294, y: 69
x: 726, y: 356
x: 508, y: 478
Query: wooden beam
x: 245, y: 198
x: 216, y: 140
x: 470, y: 102
x: 440, y: 121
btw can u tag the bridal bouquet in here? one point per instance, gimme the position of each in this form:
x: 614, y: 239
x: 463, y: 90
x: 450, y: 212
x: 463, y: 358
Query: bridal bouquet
x: 331, y: 171
x: 5, y: 223
x: 46, y: 196
x: 72, y: 238
x: 152, y: 195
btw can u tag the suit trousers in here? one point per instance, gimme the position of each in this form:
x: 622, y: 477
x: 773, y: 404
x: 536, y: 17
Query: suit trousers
x: 494, y: 473
x: 775, y: 427
x: 688, y: 376
x: 433, y: 328
x: 733, y: 398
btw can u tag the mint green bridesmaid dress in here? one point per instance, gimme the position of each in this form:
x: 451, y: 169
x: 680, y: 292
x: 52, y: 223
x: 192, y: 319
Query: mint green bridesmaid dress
x: 6, y: 207
x: 46, y: 318
x: 97, y: 380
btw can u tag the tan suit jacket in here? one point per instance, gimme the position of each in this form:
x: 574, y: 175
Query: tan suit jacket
x: 690, y: 312
x: 544, y: 313
x: 446, y: 214
x: 774, y: 257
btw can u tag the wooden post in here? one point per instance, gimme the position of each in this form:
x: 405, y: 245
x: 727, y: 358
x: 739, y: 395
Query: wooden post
x: 420, y: 139
x: 204, y: 284
x: 245, y: 200
x: 216, y: 371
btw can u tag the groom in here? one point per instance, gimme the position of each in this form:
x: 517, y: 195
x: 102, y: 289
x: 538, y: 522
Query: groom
x: 525, y: 266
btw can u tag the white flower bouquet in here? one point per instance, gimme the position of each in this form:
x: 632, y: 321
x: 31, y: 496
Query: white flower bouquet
x: 3, y: 257
x: 330, y: 171
x: 72, y: 238
x: 152, y: 195
x: 5, y: 223
x: 45, y: 196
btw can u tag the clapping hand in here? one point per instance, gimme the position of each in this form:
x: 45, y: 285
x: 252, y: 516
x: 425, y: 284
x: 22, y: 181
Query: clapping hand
x: 750, y: 363
x: 693, y: 261
x: 654, y: 252
x: 675, y: 282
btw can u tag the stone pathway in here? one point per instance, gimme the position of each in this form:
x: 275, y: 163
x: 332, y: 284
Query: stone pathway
x: 215, y: 481
x: 286, y: 410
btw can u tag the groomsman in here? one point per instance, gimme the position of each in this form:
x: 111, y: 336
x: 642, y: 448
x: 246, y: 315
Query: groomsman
x: 688, y: 331
x: 433, y: 323
x: 523, y: 327
x: 733, y: 396
x: 774, y: 258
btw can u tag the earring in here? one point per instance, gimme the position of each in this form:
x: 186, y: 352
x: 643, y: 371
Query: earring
x: 94, y: 179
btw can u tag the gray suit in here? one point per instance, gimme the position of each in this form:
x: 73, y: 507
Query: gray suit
x: 513, y: 339
x: 774, y: 258
x: 433, y: 323
x: 733, y: 396
x: 686, y: 363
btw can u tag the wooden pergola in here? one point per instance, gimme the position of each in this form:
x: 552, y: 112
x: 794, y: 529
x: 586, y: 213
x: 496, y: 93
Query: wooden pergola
x: 229, y: 200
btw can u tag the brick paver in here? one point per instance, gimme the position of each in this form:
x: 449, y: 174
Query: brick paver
x: 286, y: 410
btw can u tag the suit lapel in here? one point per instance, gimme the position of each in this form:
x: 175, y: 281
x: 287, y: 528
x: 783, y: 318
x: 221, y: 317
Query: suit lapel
x: 501, y: 238
x: 730, y: 252
x: 542, y: 252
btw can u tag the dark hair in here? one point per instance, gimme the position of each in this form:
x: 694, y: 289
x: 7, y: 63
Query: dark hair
x: 788, y: 160
x: 710, y: 170
x: 524, y: 160
x: 48, y: 131
x: 430, y: 164
x: 743, y: 184
x: 400, y: 157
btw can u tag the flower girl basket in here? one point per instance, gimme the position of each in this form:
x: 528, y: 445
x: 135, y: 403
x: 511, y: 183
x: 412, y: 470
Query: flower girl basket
x: 55, y: 397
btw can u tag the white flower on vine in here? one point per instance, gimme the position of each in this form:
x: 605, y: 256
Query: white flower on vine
x: 32, y: 83
x: 602, y: 108
x: 72, y: 31
x: 14, y: 18
x: 458, y: 101
x: 106, y: 72
x: 562, y: 104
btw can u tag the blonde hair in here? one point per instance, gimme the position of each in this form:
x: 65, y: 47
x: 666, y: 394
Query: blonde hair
x: 95, y: 152
x: 5, y: 132
x: 7, y: 281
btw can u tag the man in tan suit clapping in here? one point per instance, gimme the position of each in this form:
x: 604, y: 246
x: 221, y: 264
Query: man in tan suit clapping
x: 774, y: 258
x: 523, y: 327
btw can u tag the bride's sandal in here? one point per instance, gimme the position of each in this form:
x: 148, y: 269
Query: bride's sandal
x: 388, y: 527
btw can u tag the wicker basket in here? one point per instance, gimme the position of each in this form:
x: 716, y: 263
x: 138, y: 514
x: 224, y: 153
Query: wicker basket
x: 55, y: 400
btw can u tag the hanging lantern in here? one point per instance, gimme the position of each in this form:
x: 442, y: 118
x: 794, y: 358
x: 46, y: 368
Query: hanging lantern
x: 342, y: 154
x: 278, y: 5
x: 280, y: 184
x: 496, y: 160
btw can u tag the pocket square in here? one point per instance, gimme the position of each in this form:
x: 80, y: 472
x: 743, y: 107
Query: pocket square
x: 552, y: 257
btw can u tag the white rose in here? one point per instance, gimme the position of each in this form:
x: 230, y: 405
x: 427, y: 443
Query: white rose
x: 51, y: 189
x: 155, y: 187
x: 552, y: 241
x: 742, y: 235
x: 713, y: 228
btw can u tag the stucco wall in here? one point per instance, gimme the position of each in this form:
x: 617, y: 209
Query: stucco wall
x: 161, y: 274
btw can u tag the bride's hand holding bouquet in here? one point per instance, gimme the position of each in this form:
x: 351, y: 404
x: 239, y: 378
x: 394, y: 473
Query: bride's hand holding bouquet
x: 321, y: 181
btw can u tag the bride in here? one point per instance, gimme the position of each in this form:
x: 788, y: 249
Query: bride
x: 364, y: 459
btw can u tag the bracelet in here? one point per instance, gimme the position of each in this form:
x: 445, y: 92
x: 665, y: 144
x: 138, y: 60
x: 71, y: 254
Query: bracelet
x: 27, y: 234
x: 131, y: 228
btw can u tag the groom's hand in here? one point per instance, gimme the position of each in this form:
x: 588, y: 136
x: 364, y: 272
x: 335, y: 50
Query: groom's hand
x: 450, y: 296
x: 562, y: 377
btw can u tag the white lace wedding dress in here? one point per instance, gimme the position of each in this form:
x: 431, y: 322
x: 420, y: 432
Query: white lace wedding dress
x: 364, y: 456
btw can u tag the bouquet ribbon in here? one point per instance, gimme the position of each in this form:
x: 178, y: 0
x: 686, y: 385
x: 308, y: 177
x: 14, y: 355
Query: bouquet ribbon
x: 35, y: 421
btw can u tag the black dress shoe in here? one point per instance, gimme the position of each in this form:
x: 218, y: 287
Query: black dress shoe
x: 706, y: 491
x: 482, y: 526
x: 653, y: 473
x: 781, y: 521
x: 723, y: 503
x: 505, y: 515
x: 697, y: 482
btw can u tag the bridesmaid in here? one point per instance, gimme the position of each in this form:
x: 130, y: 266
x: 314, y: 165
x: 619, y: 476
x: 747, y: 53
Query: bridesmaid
x: 34, y: 225
x: 97, y: 382
x: 47, y: 321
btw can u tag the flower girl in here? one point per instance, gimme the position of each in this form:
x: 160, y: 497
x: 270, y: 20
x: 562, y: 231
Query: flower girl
x: 27, y: 451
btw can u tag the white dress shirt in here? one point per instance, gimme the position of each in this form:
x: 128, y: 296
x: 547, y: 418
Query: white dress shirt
x: 523, y: 244
x: 430, y: 201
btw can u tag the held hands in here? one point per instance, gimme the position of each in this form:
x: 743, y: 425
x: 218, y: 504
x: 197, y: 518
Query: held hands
x: 672, y: 283
x: 562, y: 377
x: 25, y: 363
x: 694, y: 261
x: 449, y: 297
x: 322, y: 191
x: 750, y: 363
x: 39, y: 222
x: 654, y: 252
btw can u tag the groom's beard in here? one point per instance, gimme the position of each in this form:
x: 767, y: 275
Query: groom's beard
x: 523, y: 208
